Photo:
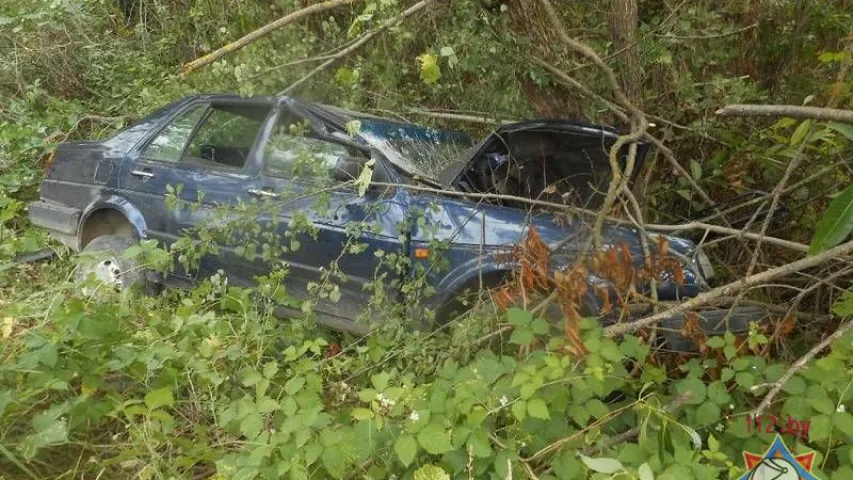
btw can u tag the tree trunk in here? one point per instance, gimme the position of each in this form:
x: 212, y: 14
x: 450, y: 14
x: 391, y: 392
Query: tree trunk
x: 624, y: 20
x: 528, y: 19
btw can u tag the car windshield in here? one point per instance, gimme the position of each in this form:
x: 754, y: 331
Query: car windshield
x: 419, y: 150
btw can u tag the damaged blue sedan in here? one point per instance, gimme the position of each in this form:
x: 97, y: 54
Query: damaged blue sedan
x: 106, y: 196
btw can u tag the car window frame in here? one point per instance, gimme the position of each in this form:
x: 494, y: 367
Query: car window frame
x: 143, y: 145
x: 260, y: 136
x: 251, y: 164
x: 315, y: 133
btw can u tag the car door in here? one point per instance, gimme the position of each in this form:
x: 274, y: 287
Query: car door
x: 150, y: 169
x: 340, y: 235
x: 218, y: 170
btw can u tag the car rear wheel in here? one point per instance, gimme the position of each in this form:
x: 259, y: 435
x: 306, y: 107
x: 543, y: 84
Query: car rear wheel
x: 104, y: 260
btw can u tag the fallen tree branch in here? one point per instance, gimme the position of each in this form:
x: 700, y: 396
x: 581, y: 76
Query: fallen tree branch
x: 799, y: 364
x: 582, y: 211
x: 360, y: 42
x: 792, y: 111
x: 460, y: 117
x: 263, y: 31
x: 730, y: 289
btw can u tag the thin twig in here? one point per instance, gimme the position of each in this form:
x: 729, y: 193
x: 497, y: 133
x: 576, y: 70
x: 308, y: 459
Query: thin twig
x: 799, y: 364
x: 705, y: 37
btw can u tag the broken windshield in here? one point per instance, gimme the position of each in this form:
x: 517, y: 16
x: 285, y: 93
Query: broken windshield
x: 418, y: 150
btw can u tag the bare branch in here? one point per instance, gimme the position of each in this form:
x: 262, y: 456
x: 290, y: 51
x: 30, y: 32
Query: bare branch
x: 360, y: 42
x: 799, y: 364
x: 263, y: 31
x: 730, y: 289
x: 792, y: 111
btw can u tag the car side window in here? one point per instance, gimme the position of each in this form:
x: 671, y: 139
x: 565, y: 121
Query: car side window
x: 169, y: 144
x: 226, y: 135
x: 292, y: 153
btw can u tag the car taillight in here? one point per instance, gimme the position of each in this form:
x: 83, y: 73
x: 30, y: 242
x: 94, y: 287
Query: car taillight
x: 47, y: 161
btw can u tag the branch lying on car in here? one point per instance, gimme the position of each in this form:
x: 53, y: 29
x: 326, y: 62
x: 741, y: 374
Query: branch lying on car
x: 792, y: 111
x: 730, y: 289
x: 263, y: 31
x: 582, y: 211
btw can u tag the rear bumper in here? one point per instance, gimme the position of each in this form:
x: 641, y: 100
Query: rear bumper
x: 61, y: 221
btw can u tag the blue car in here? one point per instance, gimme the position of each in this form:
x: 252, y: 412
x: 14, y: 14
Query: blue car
x: 477, y: 200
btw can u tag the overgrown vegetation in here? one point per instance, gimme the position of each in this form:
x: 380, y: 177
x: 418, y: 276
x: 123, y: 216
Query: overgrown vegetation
x: 207, y: 383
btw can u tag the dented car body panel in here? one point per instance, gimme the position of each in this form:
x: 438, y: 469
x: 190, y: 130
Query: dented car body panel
x: 119, y: 175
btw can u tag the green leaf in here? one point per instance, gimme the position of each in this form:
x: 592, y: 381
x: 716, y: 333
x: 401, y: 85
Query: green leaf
x: 267, y: 405
x: 842, y: 128
x: 294, y: 385
x: 361, y: 414
x: 800, y: 132
x: 430, y: 71
x: 844, y: 423
x: 406, y: 448
x: 602, y: 465
x: 836, y: 223
x: 843, y: 307
x: 519, y: 409
x: 162, y: 397
x: 696, y: 388
x: 795, y: 386
x: 540, y: 326
x: 380, y: 381
x: 645, y: 472
x: 537, y: 408
x: 713, y: 444
x: 363, y: 180
x: 521, y: 336
x: 435, y: 439
x: 431, y: 472
x: 52, y: 433
x: 695, y: 170
x: 270, y: 368
x: 821, y: 428
x: 251, y: 425
x: 519, y: 317
x: 707, y: 414
x: 334, y: 461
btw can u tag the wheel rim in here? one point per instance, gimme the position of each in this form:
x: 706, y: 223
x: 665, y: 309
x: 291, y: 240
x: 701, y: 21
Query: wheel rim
x: 108, y: 271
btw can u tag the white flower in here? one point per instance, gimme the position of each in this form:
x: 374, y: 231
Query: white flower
x: 731, y: 406
x: 720, y: 427
x: 385, y: 402
x: 504, y: 401
x: 840, y: 409
x: 414, y: 416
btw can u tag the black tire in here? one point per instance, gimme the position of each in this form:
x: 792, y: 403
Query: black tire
x: 104, y: 257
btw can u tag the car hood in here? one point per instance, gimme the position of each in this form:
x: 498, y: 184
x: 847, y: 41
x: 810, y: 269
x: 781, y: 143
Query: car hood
x: 554, y: 160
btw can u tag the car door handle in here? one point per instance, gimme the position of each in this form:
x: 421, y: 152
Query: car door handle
x: 144, y: 173
x: 258, y: 192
